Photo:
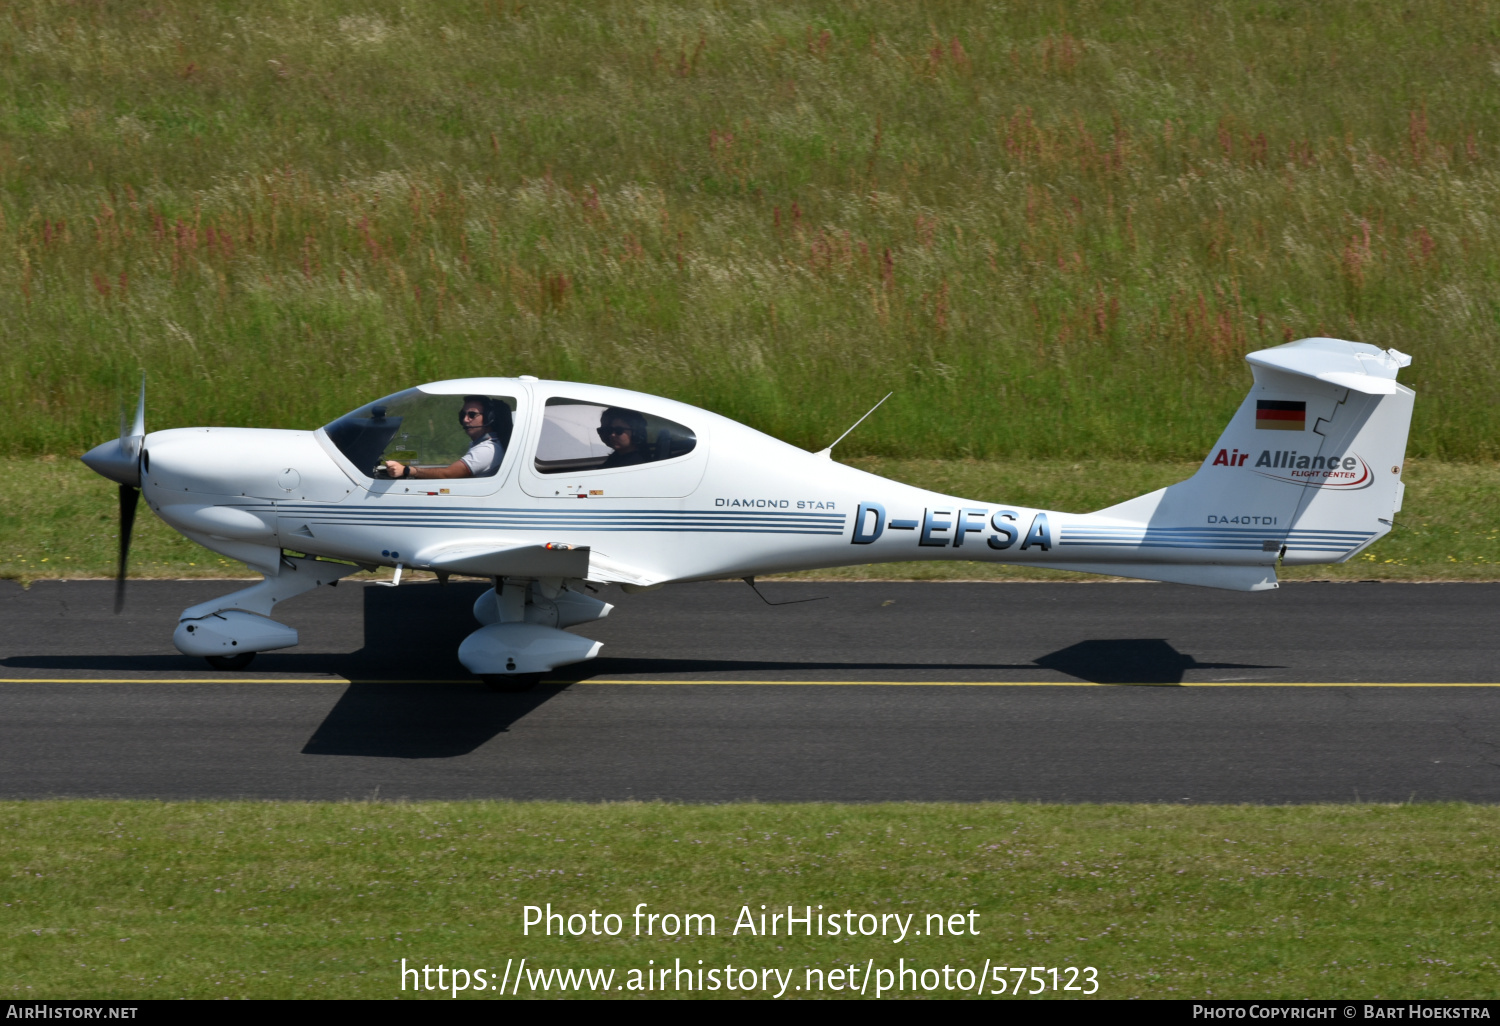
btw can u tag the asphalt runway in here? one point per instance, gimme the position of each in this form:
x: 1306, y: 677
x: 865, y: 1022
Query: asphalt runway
x: 703, y: 693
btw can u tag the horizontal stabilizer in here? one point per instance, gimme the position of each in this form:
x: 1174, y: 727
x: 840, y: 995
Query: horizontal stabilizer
x: 1364, y: 368
x: 508, y: 561
x: 1230, y: 578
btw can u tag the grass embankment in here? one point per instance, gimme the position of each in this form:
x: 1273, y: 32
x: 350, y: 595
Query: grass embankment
x: 137, y: 899
x: 58, y: 519
x: 1052, y: 230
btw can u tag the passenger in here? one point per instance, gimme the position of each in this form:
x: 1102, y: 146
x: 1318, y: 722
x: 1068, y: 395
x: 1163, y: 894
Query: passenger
x: 480, y: 418
x: 624, y: 431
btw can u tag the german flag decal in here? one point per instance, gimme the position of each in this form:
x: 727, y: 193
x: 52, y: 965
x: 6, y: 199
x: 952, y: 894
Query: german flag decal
x: 1280, y: 415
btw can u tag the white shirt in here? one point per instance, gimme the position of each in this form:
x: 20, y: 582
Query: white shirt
x: 484, y: 456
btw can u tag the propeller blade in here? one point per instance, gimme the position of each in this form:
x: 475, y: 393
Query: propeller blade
x: 139, y: 427
x: 130, y: 445
x: 129, y: 497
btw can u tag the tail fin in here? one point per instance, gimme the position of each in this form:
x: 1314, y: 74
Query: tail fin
x: 1308, y: 470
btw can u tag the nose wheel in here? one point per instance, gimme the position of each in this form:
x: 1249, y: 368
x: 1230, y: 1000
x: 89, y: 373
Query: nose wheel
x: 234, y: 662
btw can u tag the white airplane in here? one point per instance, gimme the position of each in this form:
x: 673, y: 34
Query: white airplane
x: 542, y: 486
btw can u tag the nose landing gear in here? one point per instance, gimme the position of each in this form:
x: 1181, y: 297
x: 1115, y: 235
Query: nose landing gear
x: 228, y: 631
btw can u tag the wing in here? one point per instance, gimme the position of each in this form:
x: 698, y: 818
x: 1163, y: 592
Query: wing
x: 549, y: 560
x: 603, y: 570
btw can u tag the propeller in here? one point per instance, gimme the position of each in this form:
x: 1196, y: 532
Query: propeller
x: 120, y: 461
x: 129, y: 499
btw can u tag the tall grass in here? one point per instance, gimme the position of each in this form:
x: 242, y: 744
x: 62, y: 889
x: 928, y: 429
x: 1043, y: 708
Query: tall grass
x: 1053, y: 230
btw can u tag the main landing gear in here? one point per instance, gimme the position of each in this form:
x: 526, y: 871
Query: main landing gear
x: 521, y: 639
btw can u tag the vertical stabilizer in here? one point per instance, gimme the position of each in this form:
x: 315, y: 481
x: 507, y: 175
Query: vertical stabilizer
x: 1308, y: 470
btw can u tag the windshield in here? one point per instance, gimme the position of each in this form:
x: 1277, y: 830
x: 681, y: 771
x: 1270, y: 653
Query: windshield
x: 422, y: 430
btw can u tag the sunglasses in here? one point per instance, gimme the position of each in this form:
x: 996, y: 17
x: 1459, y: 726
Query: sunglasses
x: 609, y: 431
x: 471, y: 415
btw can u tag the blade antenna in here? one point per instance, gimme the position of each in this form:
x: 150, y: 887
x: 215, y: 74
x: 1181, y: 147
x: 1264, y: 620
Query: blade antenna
x: 789, y: 602
x: 829, y: 451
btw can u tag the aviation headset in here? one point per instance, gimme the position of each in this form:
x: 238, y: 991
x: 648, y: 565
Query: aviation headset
x: 497, y: 417
x: 635, y: 421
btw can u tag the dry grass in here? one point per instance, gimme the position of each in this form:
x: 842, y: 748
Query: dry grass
x: 1053, y: 230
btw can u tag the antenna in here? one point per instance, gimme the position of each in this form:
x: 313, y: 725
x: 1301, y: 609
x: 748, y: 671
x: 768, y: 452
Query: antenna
x: 828, y: 452
x: 788, y: 602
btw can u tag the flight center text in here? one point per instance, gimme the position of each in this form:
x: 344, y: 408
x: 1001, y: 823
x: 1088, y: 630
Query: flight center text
x: 941, y: 527
x: 1338, y: 467
x: 806, y: 921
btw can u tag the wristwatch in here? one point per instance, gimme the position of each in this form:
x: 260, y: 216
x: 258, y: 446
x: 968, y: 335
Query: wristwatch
x: 406, y: 472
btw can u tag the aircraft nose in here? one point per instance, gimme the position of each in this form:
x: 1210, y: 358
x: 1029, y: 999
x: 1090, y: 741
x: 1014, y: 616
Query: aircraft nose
x: 235, y: 463
x: 119, y: 459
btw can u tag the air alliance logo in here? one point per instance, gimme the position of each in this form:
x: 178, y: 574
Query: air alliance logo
x: 1348, y: 471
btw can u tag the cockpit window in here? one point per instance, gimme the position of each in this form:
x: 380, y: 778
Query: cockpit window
x: 424, y: 430
x: 579, y: 435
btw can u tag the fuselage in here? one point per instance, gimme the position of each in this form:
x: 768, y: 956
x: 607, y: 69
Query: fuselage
x: 612, y: 486
x: 738, y: 503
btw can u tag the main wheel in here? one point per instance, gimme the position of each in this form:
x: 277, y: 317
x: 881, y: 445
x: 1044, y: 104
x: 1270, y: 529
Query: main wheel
x: 234, y: 662
x: 511, y: 683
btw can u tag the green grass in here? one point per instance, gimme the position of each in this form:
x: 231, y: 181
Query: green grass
x: 156, y: 900
x: 57, y: 519
x: 1053, y: 230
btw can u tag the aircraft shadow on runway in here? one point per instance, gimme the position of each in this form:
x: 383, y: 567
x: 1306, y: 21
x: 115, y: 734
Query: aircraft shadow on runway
x: 1151, y: 661
x: 442, y: 721
x: 1131, y: 661
x: 412, y: 634
x: 400, y: 721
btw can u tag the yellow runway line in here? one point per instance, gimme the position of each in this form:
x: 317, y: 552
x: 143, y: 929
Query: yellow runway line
x: 787, y: 683
x: 192, y: 680
x: 1038, y: 684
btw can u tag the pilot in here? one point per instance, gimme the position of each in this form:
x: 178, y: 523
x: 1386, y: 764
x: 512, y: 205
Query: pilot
x: 479, y: 418
x: 624, y: 431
